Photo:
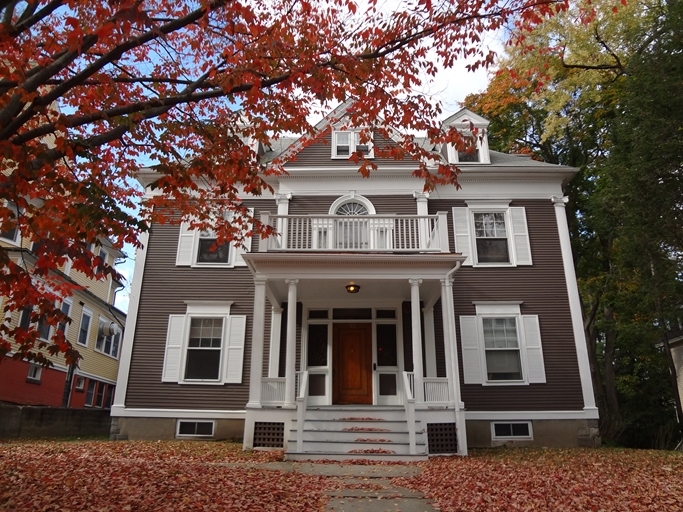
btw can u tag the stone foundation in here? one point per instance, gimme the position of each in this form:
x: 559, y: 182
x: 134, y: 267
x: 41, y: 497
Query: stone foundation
x: 546, y: 434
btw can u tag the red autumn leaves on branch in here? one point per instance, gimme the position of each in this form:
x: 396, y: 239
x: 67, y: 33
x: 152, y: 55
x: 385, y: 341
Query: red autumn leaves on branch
x: 92, y: 91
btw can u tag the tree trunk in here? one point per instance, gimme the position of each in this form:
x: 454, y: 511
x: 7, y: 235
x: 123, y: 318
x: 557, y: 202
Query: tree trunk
x: 613, y: 421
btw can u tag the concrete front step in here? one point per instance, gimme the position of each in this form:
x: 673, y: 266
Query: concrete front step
x: 338, y: 435
x: 350, y: 446
x: 385, y: 457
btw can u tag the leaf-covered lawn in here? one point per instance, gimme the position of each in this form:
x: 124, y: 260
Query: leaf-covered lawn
x: 554, y: 480
x: 180, y: 476
x: 139, y: 476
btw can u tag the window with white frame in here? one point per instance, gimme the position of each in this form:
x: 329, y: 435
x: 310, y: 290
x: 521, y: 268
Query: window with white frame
x: 511, y: 430
x: 492, y: 234
x: 108, y: 338
x: 501, y: 346
x: 468, y: 150
x: 10, y: 231
x: 80, y: 383
x: 84, y: 328
x: 42, y: 326
x: 66, y: 310
x: 90, y: 393
x: 34, y: 372
x: 346, y: 143
x: 199, y: 249
x: 205, y: 346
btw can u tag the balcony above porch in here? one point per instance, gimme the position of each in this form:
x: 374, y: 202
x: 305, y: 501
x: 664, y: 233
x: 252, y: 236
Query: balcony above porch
x: 357, y: 233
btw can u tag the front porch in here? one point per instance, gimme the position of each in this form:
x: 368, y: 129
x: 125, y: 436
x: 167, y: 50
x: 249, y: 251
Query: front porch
x: 376, y: 354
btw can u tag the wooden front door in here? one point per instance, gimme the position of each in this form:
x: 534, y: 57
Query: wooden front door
x: 352, y: 364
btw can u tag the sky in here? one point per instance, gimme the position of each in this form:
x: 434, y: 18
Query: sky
x: 450, y: 86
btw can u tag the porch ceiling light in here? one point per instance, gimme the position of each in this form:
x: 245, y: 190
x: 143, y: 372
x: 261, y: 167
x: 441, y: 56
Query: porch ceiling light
x: 352, y: 288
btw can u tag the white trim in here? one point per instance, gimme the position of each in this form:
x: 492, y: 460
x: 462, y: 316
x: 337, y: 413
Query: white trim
x: 95, y: 377
x: 350, y: 198
x: 208, y: 307
x: 586, y: 414
x: 126, y: 349
x: 574, y: 303
x: 128, y: 412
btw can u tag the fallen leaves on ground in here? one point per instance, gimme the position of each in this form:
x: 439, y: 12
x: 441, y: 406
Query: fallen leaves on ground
x: 147, y: 476
x: 553, y: 480
x: 104, y: 476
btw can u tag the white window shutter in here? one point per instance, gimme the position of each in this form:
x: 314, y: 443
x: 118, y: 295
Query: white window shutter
x: 520, y: 234
x: 534, y: 350
x: 239, y: 251
x: 461, y: 226
x: 185, y: 246
x: 174, y: 348
x: 472, y: 372
x: 234, y: 349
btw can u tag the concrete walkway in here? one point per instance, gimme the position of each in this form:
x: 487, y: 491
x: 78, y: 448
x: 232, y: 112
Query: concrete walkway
x: 361, y: 488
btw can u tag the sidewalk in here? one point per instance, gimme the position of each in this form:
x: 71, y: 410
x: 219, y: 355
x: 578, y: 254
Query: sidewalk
x: 361, y: 488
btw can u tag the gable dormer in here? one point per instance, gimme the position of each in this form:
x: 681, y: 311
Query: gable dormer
x: 477, y: 150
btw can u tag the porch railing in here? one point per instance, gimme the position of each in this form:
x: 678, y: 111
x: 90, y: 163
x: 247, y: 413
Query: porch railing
x: 436, y: 390
x: 272, y: 390
x: 301, y: 406
x: 408, y: 383
x: 358, y: 233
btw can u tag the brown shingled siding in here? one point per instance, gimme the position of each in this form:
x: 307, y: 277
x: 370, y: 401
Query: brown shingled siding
x: 164, y: 290
x: 319, y: 154
x: 543, y: 290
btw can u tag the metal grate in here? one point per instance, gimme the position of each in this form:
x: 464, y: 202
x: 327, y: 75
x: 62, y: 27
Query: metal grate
x: 269, y: 434
x: 442, y: 438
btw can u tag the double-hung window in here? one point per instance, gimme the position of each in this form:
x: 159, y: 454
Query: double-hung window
x: 42, y: 326
x: 492, y: 234
x: 346, y: 143
x: 501, y: 346
x: 84, y: 328
x: 10, y: 231
x: 200, y: 249
x: 205, y: 346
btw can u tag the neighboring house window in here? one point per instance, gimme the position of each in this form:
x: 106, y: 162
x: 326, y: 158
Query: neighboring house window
x: 90, y: 393
x: 80, y: 383
x: 25, y: 323
x: 99, y: 398
x: 66, y: 310
x: 346, y: 143
x: 11, y: 231
x: 492, y: 234
x: 84, y: 329
x: 108, y: 342
x: 198, y: 249
x: 34, y: 372
x: 501, y: 346
x: 206, y: 345
x: 109, y: 397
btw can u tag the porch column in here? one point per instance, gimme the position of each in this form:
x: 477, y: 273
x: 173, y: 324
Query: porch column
x: 290, y: 367
x: 417, y: 339
x: 452, y: 369
x: 422, y: 198
x: 257, y: 333
x: 430, y: 341
x: 275, y: 330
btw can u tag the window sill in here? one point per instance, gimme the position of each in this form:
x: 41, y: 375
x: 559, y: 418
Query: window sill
x: 105, y: 354
x: 212, y: 265
x: 29, y: 380
x: 202, y: 382
x: 505, y: 383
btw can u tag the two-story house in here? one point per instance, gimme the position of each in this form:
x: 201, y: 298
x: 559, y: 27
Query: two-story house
x: 380, y: 321
x: 95, y: 330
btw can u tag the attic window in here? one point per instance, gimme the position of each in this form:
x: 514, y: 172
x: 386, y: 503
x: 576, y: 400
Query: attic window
x: 346, y: 143
x: 469, y: 152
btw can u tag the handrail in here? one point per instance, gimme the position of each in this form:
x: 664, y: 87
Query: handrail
x: 358, y: 233
x: 410, y: 411
x: 301, y: 405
